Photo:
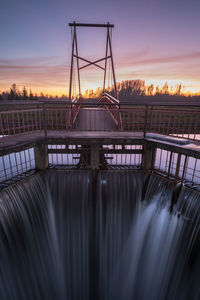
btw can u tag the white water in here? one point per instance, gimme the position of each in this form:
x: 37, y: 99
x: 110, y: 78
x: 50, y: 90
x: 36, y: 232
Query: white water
x: 56, y: 243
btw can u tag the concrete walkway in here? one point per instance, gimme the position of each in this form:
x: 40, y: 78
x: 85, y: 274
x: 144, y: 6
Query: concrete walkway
x: 93, y: 119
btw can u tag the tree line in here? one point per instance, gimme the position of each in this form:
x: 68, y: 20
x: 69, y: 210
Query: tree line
x: 126, y: 89
x: 15, y: 93
x: 139, y: 88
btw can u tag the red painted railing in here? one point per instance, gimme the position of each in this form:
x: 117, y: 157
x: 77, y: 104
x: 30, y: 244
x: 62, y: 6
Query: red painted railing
x: 112, y: 105
x: 20, y: 121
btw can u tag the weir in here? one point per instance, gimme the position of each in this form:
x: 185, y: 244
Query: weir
x: 99, y: 199
x: 99, y: 214
x: 55, y: 245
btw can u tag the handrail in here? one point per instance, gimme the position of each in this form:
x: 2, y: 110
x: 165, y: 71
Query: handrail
x: 183, y: 123
x: 115, y: 114
x: 135, y: 100
x: 111, y: 98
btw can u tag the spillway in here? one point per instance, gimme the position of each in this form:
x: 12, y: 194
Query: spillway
x: 64, y: 236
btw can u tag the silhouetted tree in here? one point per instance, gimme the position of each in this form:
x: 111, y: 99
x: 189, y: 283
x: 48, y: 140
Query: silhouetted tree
x: 157, y: 91
x: 150, y: 90
x: 24, y: 93
x: 178, y: 89
x: 13, y: 92
x: 31, y: 97
x: 165, y: 89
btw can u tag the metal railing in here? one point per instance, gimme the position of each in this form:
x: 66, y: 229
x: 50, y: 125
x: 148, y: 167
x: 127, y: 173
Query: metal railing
x: 13, y: 165
x: 177, y: 167
x: 111, y: 104
x: 184, y: 122
x: 175, y: 121
x: 109, y: 155
x: 20, y: 121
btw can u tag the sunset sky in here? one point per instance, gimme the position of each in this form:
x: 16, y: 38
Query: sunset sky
x: 153, y: 40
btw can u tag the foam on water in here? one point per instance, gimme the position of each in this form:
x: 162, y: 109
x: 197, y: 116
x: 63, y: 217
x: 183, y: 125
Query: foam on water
x: 62, y: 237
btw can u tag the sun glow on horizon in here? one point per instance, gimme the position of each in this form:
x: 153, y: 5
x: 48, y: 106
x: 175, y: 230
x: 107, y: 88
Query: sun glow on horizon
x: 95, y: 87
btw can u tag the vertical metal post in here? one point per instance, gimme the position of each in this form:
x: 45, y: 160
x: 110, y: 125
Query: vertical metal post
x: 77, y: 60
x: 150, y: 118
x: 184, y: 168
x: 170, y: 162
x: 174, y: 192
x: 4, y: 168
x: 178, y: 166
x: 104, y: 81
x: 71, y: 70
x: 112, y: 62
x: 44, y: 119
x: 145, y: 121
x: 1, y: 127
x: 71, y: 116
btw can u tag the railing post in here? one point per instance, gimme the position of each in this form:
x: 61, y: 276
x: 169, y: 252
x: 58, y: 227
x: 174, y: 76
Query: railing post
x: 174, y: 192
x: 148, y: 157
x: 120, y: 119
x: 95, y: 157
x: 44, y: 119
x: 150, y: 119
x: 70, y: 116
x: 145, y: 121
x: 148, y: 162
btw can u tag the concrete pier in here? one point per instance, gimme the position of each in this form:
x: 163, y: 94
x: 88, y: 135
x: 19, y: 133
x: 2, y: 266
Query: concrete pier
x: 41, y: 157
x: 95, y: 157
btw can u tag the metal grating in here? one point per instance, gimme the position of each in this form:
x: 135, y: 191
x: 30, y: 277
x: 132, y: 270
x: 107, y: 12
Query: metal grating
x: 123, y: 159
x: 71, y: 155
x: 17, y: 163
x: 110, y: 155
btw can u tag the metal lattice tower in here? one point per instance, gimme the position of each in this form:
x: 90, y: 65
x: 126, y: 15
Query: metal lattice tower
x: 75, y: 55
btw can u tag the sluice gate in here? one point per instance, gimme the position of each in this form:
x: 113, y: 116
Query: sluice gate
x: 35, y: 139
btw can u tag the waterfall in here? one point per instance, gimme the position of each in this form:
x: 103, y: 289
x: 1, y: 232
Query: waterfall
x: 64, y: 236
x: 71, y: 194
x: 119, y: 193
x: 158, y: 256
x: 44, y: 238
x: 28, y: 259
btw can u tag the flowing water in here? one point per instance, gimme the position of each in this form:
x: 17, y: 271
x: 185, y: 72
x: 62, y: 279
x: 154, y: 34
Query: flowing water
x: 66, y: 236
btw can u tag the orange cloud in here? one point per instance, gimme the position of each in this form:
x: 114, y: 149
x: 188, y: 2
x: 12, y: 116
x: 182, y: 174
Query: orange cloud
x: 39, y: 74
x: 48, y: 75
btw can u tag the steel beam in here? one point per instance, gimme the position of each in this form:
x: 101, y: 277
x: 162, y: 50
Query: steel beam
x: 94, y: 62
x: 88, y: 61
x: 91, y: 25
x: 105, y: 151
